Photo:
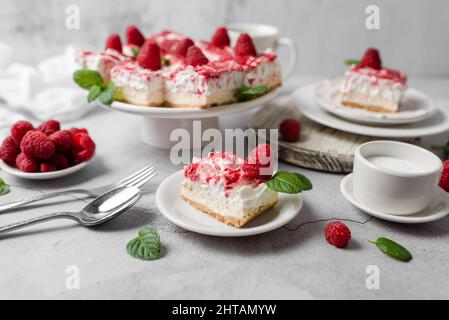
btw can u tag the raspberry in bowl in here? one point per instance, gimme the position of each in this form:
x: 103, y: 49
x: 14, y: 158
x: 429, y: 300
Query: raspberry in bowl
x: 45, y: 151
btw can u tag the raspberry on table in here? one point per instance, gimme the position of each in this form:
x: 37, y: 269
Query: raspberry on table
x: 444, y: 179
x: 9, y: 151
x: 83, y: 147
x: 290, y: 130
x: 337, y: 234
x: 26, y: 163
x: 19, y: 129
x: 49, y: 127
x: 37, y: 145
x: 62, y: 140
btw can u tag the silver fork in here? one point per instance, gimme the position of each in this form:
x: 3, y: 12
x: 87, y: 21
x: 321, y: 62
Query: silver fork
x: 137, y: 179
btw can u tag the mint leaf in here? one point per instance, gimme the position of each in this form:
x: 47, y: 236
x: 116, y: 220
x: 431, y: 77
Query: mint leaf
x: 135, y: 51
x: 86, y: 79
x: 107, y: 95
x: 393, y: 249
x: 4, y: 188
x: 165, y: 61
x: 245, y: 94
x: 351, y: 62
x: 289, y: 182
x: 146, y: 246
x: 94, y: 92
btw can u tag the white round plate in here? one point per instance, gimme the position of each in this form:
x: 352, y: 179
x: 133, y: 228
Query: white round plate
x: 437, y: 211
x: 43, y: 175
x: 415, y: 106
x: 179, y: 113
x: 304, y: 101
x: 185, y: 216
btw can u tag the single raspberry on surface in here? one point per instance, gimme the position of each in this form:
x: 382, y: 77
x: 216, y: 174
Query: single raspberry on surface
x: 49, y: 127
x: 183, y: 46
x: 221, y: 38
x: 114, y: 42
x: 290, y: 130
x: 9, y: 151
x: 134, y: 36
x: 195, y: 57
x: 60, y: 161
x: 245, y: 46
x: 150, y: 56
x: 62, y: 140
x: 444, y: 179
x: 26, y: 164
x: 337, y: 234
x: 83, y: 147
x: 47, y: 167
x: 37, y: 145
x: 371, y: 59
x: 19, y: 129
x: 260, y: 158
x: 74, y: 131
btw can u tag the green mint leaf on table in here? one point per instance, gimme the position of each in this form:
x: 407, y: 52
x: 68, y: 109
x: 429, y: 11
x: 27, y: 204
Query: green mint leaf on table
x: 4, y: 188
x: 86, y: 79
x: 147, y: 245
x: 246, y: 94
x: 94, y: 93
x: 393, y: 249
x: 107, y: 95
x: 289, y: 182
x: 351, y: 62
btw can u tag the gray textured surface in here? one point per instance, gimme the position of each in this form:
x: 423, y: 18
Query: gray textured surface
x: 412, y: 37
x: 293, y: 262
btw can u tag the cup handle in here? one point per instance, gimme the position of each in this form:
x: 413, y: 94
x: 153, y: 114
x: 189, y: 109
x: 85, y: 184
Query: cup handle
x: 287, y: 42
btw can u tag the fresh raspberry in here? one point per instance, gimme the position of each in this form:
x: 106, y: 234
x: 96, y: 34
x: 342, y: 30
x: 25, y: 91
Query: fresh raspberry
x: 37, y: 145
x: 290, y: 130
x: 62, y: 140
x: 444, y: 180
x: 337, y: 234
x: 371, y: 59
x: 150, y: 56
x: 83, y: 147
x: 19, y: 129
x: 195, y: 57
x: 114, y: 42
x: 47, y: 167
x: 60, y: 161
x: 183, y: 46
x: 26, y: 164
x: 9, y: 151
x: 49, y: 127
x: 134, y: 36
x: 74, y: 131
x: 221, y: 38
x: 259, y: 158
x: 245, y: 46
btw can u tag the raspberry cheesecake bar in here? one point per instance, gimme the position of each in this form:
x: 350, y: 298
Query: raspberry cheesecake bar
x: 230, y: 189
x: 103, y: 61
x: 140, y: 82
x: 369, y: 86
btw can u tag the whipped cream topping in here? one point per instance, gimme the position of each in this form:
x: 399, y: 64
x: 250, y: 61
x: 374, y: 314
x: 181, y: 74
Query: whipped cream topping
x: 214, y: 53
x: 382, y: 74
x: 132, y: 75
x: 167, y: 40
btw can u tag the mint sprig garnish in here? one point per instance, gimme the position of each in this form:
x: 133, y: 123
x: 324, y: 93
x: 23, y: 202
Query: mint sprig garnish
x: 135, y: 51
x: 147, y: 245
x: 165, y: 61
x: 246, y: 94
x: 393, y: 249
x: 351, y: 62
x: 4, y: 188
x: 93, y: 82
x: 289, y: 182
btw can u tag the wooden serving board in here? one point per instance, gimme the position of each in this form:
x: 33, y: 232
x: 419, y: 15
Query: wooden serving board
x: 320, y: 148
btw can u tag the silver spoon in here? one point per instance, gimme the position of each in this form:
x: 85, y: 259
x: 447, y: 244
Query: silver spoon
x: 106, y: 207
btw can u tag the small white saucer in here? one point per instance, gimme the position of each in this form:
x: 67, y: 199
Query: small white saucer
x: 185, y: 216
x: 437, y: 211
x: 43, y: 175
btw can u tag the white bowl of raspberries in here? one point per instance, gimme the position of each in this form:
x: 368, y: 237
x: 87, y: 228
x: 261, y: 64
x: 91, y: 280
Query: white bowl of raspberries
x: 45, y: 151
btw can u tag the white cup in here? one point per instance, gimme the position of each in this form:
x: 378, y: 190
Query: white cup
x: 395, y: 177
x: 265, y: 37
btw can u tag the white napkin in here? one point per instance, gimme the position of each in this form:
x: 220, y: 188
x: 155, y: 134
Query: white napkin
x: 46, y: 91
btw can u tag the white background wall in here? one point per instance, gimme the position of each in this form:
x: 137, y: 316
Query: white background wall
x: 414, y: 34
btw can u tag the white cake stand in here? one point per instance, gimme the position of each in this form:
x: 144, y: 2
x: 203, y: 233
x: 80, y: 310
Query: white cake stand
x: 159, y: 122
